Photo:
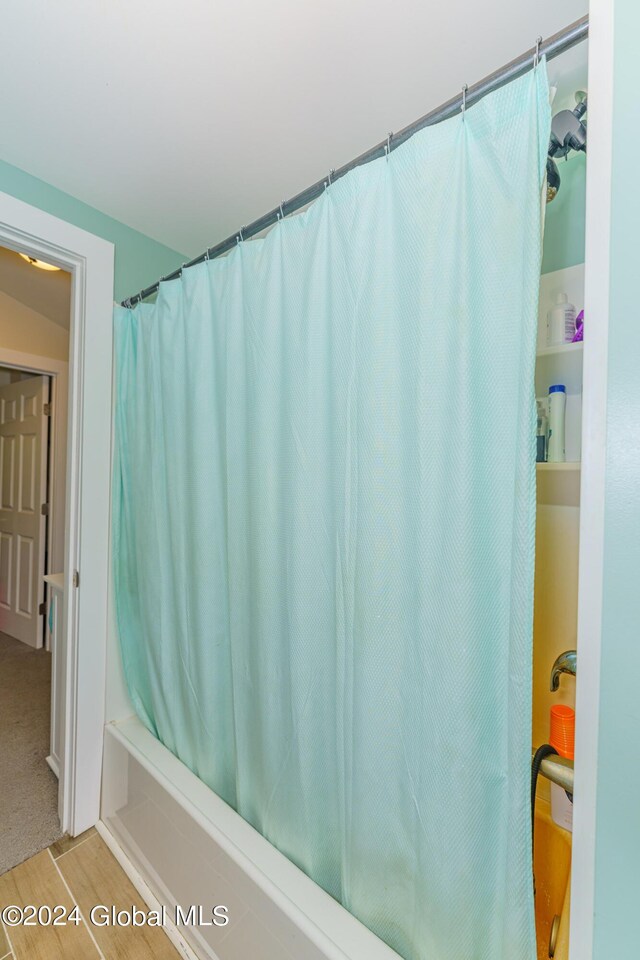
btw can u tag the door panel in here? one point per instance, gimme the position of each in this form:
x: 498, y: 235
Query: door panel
x: 23, y: 481
x: 7, y: 445
x: 6, y: 549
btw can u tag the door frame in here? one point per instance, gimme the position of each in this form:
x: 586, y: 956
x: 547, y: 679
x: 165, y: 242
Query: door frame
x: 592, y: 486
x: 90, y: 261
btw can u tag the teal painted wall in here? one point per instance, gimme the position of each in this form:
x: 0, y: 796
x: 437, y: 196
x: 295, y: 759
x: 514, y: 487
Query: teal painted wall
x: 565, y: 218
x: 139, y: 261
x: 617, y: 885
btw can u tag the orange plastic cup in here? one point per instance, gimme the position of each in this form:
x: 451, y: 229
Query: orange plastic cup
x: 563, y: 730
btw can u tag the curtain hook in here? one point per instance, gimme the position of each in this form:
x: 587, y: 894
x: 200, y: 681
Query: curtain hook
x: 387, y: 148
x: 464, y: 99
x: 536, y: 59
x: 281, y: 214
x: 127, y: 303
x: 240, y: 235
x: 331, y: 173
x: 206, y: 255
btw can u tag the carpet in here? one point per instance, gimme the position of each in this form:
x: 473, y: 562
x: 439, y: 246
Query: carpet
x: 28, y: 788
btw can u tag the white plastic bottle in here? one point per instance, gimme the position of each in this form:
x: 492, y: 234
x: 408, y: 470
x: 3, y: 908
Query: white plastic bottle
x: 541, y: 431
x: 561, y: 321
x: 561, y: 808
x: 557, y: 406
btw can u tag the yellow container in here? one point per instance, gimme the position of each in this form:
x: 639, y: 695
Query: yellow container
x: 552, y: 867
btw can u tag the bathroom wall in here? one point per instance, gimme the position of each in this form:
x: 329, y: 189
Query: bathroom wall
x: 139, y: 261
x: 617, y: 881
x: 565, y: 217
x: 28, y: 331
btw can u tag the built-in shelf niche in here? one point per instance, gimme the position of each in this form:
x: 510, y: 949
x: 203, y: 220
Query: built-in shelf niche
x: 560, y: 482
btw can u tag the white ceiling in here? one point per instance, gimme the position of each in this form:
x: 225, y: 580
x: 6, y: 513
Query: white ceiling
x: 47, y: 292
x: 186, y: 120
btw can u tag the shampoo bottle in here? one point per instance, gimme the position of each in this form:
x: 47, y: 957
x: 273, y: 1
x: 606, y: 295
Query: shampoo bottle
x: 541, y: 433
x: 557, y: 405
x: 561, y: 321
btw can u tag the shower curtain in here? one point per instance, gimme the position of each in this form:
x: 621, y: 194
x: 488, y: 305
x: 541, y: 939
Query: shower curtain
x: 324, y: 529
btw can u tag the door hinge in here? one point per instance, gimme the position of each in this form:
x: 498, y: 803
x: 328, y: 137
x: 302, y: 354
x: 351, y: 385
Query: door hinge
x: 42, y: 609
x: 46, y: 409
x: 76, y: 578
x: 44, y: 509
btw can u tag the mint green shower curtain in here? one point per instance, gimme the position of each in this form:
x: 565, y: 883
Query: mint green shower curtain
x: 324, y: 529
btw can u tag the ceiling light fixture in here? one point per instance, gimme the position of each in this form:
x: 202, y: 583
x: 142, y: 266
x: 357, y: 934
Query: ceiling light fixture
x: 38, y: 263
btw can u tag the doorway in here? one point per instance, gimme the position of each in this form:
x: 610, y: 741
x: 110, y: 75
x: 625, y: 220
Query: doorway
x: 35, y: 307
x: 77, y: 537
x: 24, y: 467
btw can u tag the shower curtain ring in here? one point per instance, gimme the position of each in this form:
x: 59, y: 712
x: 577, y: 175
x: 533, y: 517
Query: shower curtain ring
x: 206, y: 255
x: 464, y: 99
x: 387, y: 148
x: 282, y: 203
x: 331, y: 173
x: 536, y: 59
x: 240, y: 235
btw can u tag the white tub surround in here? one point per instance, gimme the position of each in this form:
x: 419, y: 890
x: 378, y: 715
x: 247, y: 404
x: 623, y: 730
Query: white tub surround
x: 190, y: 848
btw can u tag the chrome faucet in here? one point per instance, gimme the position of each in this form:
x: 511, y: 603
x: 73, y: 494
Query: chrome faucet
x: 565, y: 663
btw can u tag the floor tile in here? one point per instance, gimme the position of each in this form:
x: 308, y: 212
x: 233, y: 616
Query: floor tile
x: 4, y: 943
x: 66, y: 843
x: 38, y: 882
x: 95, y: 877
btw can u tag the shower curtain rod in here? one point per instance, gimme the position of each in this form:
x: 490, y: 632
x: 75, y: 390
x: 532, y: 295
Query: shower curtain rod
x: 560, y: 42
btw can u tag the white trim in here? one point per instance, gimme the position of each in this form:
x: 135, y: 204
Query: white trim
x: 144, y: 890
x: 592, y: 494
x: 54, y: 766
x: 90, y: 261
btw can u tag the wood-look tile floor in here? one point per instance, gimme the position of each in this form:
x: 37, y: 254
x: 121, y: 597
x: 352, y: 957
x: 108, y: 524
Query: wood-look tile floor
x: 82, y: 872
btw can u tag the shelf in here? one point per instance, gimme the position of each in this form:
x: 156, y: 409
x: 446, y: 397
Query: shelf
x: 559, y: 364
x: 558, y: 484
x: 560, y: 349
x: 564, y: 467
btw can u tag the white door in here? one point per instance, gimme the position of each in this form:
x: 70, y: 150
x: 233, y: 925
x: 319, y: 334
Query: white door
x: 23, y: 488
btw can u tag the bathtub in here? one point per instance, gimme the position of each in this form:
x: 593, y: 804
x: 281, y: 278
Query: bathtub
x: 552, y: 867
x: 184, y: 846
x: 187, y: 847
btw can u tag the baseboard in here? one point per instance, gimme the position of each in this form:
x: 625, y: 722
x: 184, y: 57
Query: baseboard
x: 54, y: 765
x: 145, y: 891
